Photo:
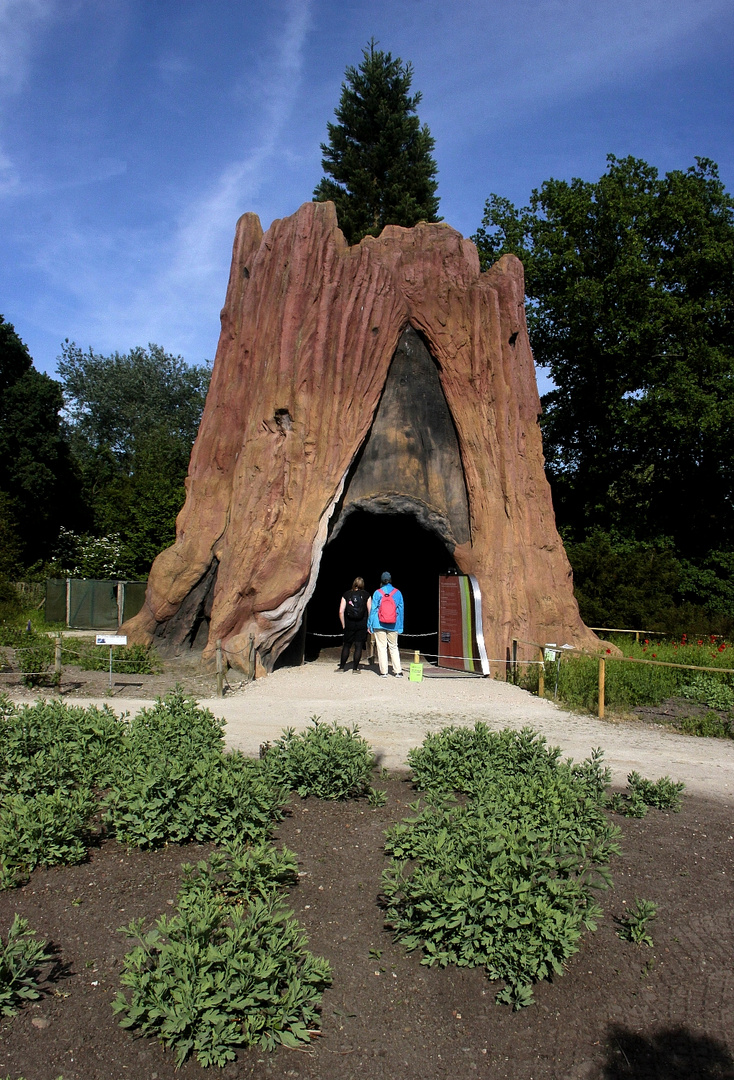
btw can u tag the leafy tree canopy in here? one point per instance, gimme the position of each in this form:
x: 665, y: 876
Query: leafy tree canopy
x: 134, y: 418
x: 379, y: 158
x: 114, y: 400
x: 631, y: 309
x: 39, y: 485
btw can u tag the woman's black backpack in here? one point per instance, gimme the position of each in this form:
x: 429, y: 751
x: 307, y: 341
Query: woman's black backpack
x: 356, y: 609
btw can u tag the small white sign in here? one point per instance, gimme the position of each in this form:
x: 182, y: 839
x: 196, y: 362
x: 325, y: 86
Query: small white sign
x: 111, y: 639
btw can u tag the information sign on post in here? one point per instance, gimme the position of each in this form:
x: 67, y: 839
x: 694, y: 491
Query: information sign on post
x: 111, y: 640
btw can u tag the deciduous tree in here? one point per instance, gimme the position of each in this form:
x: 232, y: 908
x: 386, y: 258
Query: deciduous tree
x: 631, y: 309
x: 134, y: 418
x: 39, y: 485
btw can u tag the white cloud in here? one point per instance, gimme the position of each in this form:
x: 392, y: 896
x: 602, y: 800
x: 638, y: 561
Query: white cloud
x: 19, y: 23
x: 186, y: 285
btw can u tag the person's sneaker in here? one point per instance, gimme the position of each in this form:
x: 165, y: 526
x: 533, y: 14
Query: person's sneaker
x: 357, y: 671
x: 383, y: 676
x: 398, y: 674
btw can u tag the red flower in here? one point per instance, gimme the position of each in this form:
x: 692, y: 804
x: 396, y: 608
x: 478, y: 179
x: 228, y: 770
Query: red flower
x: 699, y: 643
x: 609, y: 650
x: 654, y: 655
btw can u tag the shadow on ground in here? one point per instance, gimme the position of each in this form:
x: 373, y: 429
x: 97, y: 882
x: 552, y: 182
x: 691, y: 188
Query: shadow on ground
x: 669, y: 1054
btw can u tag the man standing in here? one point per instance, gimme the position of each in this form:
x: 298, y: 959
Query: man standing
x: 385, y: 623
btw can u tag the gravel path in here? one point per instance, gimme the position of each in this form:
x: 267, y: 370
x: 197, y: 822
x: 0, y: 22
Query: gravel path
x: 395, y: 715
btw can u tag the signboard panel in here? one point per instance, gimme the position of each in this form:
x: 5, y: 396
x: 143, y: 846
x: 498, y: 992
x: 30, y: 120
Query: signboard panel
x: 111, y: 639
x: 460, y: 634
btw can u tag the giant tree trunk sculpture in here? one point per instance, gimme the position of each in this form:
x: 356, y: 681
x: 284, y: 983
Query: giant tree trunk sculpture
x: 300, y: 414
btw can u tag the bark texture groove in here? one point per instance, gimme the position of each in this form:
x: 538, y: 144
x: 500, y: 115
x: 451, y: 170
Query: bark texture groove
x: 309, y: 329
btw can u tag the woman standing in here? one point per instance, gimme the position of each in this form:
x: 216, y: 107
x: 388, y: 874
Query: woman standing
x: 354, y: 610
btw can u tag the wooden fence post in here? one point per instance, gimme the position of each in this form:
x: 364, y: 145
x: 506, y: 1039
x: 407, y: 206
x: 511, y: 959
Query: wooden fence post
x: 602, y: 675
x: 514, y: 660
x: 251, y: 662
x: 541, y: 673
x: 57, y: 659
x: 220, y: 670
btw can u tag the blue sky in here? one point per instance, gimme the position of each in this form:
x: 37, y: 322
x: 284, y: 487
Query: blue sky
x: 133, y: 133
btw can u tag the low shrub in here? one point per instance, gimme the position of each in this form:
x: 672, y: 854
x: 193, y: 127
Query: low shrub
x: 20, y: 957
x: 230, y: 968
x: 709, y: 690
x: 326, y: 760
x: 34, y: 662
x: 506, y: 880
x: 241, y: 870
x: 126, y: 659
x: 162, y: 777
x: 711, y: 725
x: 174, y: 783
x: 53, y: 756
x: 51, y: 746
x: 662, y: 794
x: 176, y: 799
x: 43, y: 830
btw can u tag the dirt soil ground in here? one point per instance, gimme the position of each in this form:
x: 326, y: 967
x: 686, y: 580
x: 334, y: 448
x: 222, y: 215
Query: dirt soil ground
x: 620, y: 1012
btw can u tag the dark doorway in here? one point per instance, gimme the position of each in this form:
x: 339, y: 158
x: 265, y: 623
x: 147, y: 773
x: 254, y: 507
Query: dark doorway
x: 365, y: 546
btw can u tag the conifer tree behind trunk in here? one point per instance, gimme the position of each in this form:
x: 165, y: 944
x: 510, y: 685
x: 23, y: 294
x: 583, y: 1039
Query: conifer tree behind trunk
x: 379, y: 157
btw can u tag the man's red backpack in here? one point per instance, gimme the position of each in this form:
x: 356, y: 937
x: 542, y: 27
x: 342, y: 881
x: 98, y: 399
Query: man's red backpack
x: 387, y: 612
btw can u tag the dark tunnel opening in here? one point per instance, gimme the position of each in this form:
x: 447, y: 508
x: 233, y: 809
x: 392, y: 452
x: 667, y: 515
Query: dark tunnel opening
x: 365, y: 546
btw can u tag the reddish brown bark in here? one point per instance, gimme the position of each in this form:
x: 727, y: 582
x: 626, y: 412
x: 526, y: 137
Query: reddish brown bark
x: 309, y: 328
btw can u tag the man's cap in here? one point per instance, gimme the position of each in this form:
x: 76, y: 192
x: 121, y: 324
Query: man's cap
x: 385, y: 579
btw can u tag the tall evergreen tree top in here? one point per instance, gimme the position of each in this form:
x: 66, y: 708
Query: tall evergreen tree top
x: 379, y: 157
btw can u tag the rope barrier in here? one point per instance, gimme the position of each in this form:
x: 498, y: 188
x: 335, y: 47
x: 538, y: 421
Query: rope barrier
x: 312, y: 633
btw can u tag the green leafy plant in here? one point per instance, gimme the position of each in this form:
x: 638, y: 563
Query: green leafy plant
x: 20, y: 957
x: 229, y: 969
x: 505, y: 879
x: 709, y: 726
x: 663, y: 794
x: 628, y: 804
x: 243, y: 870
x: 709, y: 690
x: 51, y: 746
x: 43, y: 830
x: 53, y: 756
x: 326, y: 760
x: 174, y: 783
x: 34, y: 662
x: 376, y: 797
x: 634, y: 925
x: 130, y: 659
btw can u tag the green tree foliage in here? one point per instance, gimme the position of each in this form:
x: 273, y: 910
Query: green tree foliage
x: 631, y: 309
x: 379, y: 158
x: 38, y: 482
x: 134, y: 418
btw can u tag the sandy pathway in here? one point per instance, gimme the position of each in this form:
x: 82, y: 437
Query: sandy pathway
x: 395, y: 714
